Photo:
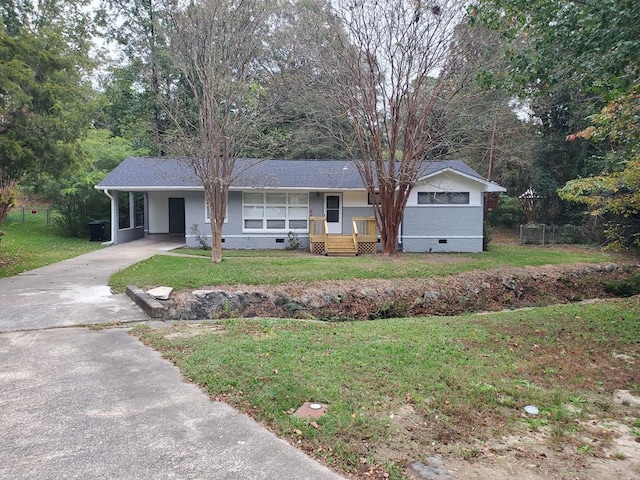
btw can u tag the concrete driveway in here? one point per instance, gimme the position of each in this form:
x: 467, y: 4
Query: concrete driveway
x: 75, y: 291
x: 97, y: 404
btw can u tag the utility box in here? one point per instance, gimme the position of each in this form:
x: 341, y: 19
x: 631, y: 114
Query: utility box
x: 97, y: 231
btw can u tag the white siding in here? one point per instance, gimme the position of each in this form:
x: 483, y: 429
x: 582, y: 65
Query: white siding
x: 448, y: 182
x: 354, y: 199
x: 159, y: 211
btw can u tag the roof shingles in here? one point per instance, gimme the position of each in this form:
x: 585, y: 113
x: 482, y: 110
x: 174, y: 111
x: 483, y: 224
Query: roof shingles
x: 175, y: 173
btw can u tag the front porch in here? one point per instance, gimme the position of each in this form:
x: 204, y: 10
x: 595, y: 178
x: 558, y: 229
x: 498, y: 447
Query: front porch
x: 363, y: 240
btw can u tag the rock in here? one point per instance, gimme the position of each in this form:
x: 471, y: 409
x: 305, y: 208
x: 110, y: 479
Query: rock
x: 473, y: 289
x: 208, y: 304
x: 434, y: 471
x: 201, y: 293
x: 160, y: 293
x: 609, y: 267
x: 509, y: 283
x: 625, y: 397
x: 428, y: 297
x: 625, y: 357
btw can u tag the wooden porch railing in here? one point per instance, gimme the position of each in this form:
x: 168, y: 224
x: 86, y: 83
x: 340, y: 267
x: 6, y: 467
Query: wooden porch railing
x: 363, y: 239
x: 318, y: 232
x: 365, y: 235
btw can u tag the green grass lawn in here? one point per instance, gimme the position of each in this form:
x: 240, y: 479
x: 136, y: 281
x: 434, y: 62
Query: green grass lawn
x: 403, y: 389
x: 269, y: 267
x: 400, y: 389
x: 32, y: 243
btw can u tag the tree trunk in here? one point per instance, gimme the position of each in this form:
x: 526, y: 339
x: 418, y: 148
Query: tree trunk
x: 216, y: 241
x: 389, y: 238
x: 8, y: 197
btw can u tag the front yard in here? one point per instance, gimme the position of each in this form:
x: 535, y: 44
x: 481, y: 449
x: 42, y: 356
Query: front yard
x: 403, y: 390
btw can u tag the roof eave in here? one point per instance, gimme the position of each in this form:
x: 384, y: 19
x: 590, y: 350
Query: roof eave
x: 489, y: 186
x: 138, y: 188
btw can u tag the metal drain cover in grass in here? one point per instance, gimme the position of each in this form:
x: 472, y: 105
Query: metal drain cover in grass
x: 311, y: 410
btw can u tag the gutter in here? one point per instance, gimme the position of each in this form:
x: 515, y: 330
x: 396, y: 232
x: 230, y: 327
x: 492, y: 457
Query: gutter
x: 113, y: 224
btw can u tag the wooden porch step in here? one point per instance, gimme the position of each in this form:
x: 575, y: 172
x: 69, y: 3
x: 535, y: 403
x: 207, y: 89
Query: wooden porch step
x: 340, y: 245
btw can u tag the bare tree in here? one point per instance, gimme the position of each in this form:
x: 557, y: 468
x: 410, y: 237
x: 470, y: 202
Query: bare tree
x: 488, y: 131
x: 217, y: 44
x: 393, y: 74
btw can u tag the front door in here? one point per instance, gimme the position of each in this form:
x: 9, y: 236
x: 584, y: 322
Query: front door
x: 176, y: 216
x: 333, y: 212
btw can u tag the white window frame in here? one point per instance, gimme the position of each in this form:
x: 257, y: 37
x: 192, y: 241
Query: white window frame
x: 207, y: 212
x: 434, y: 194
x: 265, y: 206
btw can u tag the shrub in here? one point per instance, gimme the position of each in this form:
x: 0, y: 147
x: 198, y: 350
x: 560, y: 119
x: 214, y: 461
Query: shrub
x: 624, y: 288
x: 509, y: 213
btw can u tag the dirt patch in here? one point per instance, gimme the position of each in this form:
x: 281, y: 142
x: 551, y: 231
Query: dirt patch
x: 531, y: 456
x: 477, y: 291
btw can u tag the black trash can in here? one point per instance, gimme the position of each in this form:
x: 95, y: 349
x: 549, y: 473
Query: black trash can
x: 97, y: 231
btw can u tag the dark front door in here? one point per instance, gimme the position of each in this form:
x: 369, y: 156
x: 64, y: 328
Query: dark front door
x: 176, y: 216
x: 333, y: 212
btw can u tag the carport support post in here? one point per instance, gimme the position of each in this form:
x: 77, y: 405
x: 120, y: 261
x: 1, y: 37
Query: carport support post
x: 114, y: 216
x: 145, y: 198
x: 132, y: 209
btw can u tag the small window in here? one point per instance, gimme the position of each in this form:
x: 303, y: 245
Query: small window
x: 276, y: 224
x: 207, y: 212
x: 297, y: 224
x: 373, y: 199
x: 443, y: 198
x: 253, y: 224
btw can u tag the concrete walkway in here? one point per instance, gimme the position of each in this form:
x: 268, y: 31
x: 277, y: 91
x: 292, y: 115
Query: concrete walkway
x: 97, y: 404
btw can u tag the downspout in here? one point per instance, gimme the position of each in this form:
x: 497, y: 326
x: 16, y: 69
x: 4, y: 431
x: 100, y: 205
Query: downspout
x: 113, y: 223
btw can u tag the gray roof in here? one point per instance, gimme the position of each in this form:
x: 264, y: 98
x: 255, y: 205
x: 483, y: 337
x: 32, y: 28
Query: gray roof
x: 175, y: 173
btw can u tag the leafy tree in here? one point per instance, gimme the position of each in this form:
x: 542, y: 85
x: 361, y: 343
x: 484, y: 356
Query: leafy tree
x: 302, y: 122
x: 138, y: 91
x: 486, y: 129
x: 614, y: 194
x: 75, y: 200
x: 126, y: 109
x: 8, y: 197
x: 136, y: 88
x: 44, y: 93
x: 589, y: 45
x: 566, y: 59
x: 45, y: 98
